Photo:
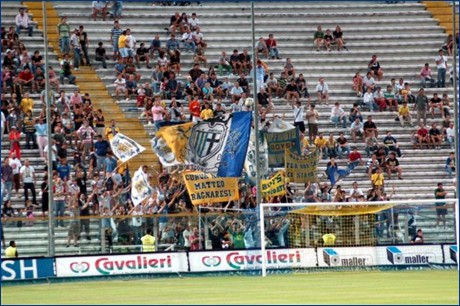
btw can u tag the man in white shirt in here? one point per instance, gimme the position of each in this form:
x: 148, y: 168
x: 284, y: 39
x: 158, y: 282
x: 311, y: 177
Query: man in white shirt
x: 299, y: 113
x: 15, y: 163
x: 99, y: 7
x: 450, y: 135
x: 337, y: 115
x: 194, y: 22
x: 75, y: 44
x: 130, y: 43
x: 357, y: 128
x: 441, y: 61
x: 2, y: 123
x: 53, y: 154
x: 322, y: 90
x: 27, y: 175
x: 23, y: 22
x: 355, y: 193
x: 368, y: 100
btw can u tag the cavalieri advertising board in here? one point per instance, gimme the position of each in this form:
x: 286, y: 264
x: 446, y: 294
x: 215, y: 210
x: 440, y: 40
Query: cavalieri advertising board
x: 121, y: 264
x: 251, y: 259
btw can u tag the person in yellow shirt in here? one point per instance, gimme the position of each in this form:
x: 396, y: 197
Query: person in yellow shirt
x: 148, y: 242
x: 111, y: 130
x: 11, y: 251
x: 27, y: 104
x: 404, y: 114
x: 377, y: 179
x: 321, y: 145
x: 327, y: 239
x: 122, y: 45
x: 207, y: 112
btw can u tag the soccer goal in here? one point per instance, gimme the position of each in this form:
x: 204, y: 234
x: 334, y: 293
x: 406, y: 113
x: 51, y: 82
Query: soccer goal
x: 358, y: 233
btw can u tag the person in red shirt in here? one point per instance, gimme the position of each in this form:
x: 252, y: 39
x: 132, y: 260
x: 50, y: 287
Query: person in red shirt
x: 272, y: 48
x: 422, y: 135
x: 354, y: 159
x: 15, y: 136
x: 195, y: 240
x: 26, y: 78
x: 195, y: 109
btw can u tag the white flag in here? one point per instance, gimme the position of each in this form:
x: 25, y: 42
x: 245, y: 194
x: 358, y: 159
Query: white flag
x: 124, y: 147
x: 140, y: 188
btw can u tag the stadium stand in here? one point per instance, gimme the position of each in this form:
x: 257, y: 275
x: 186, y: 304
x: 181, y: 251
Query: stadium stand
x: 404, y: 36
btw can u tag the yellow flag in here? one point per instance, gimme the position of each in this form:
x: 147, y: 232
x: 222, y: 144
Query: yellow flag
x: 274, y: 186
x: 204, y: 188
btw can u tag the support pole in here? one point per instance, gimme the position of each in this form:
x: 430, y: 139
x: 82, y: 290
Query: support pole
x: 51, y: 248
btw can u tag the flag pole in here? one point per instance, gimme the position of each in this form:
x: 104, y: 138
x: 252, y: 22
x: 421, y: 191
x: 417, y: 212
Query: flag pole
x: 51, y: 247
x: 256, y: 130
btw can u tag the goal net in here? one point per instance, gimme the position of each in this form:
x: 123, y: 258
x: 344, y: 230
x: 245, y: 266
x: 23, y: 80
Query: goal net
x: 360, y: 233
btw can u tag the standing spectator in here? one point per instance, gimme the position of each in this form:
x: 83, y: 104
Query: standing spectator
x: 23, y: 22
x: 111, y: 131
x: 86, y: 134
x: 130, y: 43
x: 425, y: 76
x: 75, y: 45
x: 60, y: 196
x: 272, y: 47
x: 7, y: 179
x: 100, y: 55
x: 66, y: 70
x: 29, y: 129
x: 421, y: 105
x: 84, y: 44
x: 374, y: 67
x: 114, y: 36
x: 298, y: 116
x: 312, y: 116
x: 74, y: 226
x: 15, y: 136
x: 117, y: 9
x: 441, y: 61
x: 322, y: 90
x: 63, y: 30
x: 195, y: 240
x: 16, y: 165
x: 28, y: 177
x: 450, y: 135
x: 318, y: 37
x: 441, y: 207
x: 99, y: 7
x: 450, y: 165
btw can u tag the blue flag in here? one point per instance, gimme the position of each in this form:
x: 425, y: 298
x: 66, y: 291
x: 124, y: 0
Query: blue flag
x: 236, y: 145
x: 335, y: 174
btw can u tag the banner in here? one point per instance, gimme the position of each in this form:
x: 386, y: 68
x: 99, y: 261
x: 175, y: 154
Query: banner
x: 140, y: 188
x: 251, y: 260
x: 274, y: 186
x: 250, y: 164
x: 124, y: 147
x: 281, y: 136
x: 301, y: 169
x: 218, y: 146
x: 204, y: 188
x: 170, y: 144
x: 27, y: 268
x: 121, y: 264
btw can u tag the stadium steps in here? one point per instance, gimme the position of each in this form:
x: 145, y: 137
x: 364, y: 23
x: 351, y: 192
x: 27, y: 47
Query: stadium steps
x: 442, y: 11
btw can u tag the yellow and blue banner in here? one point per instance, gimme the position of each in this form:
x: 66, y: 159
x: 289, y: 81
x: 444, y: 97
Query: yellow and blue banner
x: 204, y: 188
x: 301, y: 168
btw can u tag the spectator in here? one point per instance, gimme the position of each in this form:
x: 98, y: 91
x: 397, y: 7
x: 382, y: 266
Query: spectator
x: 337, y: 115
x: 302, y: 86
x: 422, y: 136
x: 357, y: 129
x: 74, y: 226
x: 377, y: 179
x: 380, y: 100
x: 29, y: 129
x: 66, y: 70
x: 224, y: 63
x: 176, y: 22
x: 16, y: 164
x: 374, y: 67
x: 435, y: 103
x: 199, y: 57
x: 14, y: 138
x: 26, y: 78
x: 418, y: 238
x: 312, y: 116
x: 369, y: 126
x: 441, y: 61
x: 63, y: 30
x: 246, y: 62
x: 372, y: 143
x: 99, y: 8
x: 392, y: 165
x: 391, y: 144
x: 111, y: 131
x: 117, y: 9
x: 75, y: 45
x: 272, y: 47
x: 292, y: 91
x: 421, y: 105
x: 115, y: 34
x: 84, y: 43
x: 100, y: 55
x: 7, y: 179
x: 155, y: 45
x: 390, y: 98
x: 321, y: 145
x: 198, y: 37
x: 369, y: 100
x: 261, y: 47
x: 328, y: 39
x: 236, y: 63
x: 338, y: 38
x: 450, y: 165
x: 435, y: 136
x: 28, y: 177
x: 273, y: 87
x: 444, y: 106
x: 441, y: 207
x: 23, y: 22
x: 342, y: 145
x: 123, y: 45
x: 331, y: 146
x: 355, y: 113
x: 450, y: 135
x: 322, y: 90
x: 368, y: 82
x: 354, y: 159
x: 358, y: 84
x: 289, y: 68
x: 318, y: 38
x: 426, y: 77
x: 371, y: 165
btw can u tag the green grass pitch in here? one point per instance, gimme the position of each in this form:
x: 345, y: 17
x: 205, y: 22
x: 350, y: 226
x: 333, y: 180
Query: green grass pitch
x: 363, y: 287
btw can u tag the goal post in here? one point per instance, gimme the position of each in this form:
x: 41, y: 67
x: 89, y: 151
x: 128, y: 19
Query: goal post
x: 357, y: 224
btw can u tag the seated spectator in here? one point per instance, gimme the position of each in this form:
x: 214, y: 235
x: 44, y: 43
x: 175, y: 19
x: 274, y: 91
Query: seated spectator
x: 331, y: 146
x: 66, y: 70
x: 357, y: 129
x: 368, y: 100
x: 338, y: 115
x: 358, y: 84
x: 199, y: 38
x: 208, y: 92
x: 194, y: 21
x: 423, y: 137
x: 392, y: 166
x: 354, y: 159
x: 292, y: 92
x: 435, y: 136
x: 176, y: 22
x: 120, y: 86
x: 246, y: 62
x: 37, y: 61
x: 374, y: 67
x: 406, y: 93
x: 189, y: 41
x: 174, y: 62
x: 272, y: 47
x: 371, y: 165
x: 99, y: 8
x: 53, y: 80
x: 224, y: 63
x: 236, y: 63
x: 318, y: 38
x: 368, y: 82
x: 289, y: 68
x: 435, y: 103
x: 207, y: 112
x: 142, y: 56
x: 390, y: 99
x: 196, y: 72
x: 338, y: 38
x: 391, y: 144
x: 372, y: 144
x: 26, y: 79
x: 261, y: 47
x: 155, y: 45
x: 450, y: 164
x: 377, y: 179
x: 130, y: 69
x: 243, y: 82
x: 445, y: 105
x: 355, y: 113
x: 23, y: 22
x: 380, y: 100
x: 328, y: 39
x: 155, y: 79
x: 302, y: 86
x: 321, y: 145
x: 199, y: 57
x: 322, y: 91
x: 176, y: 110
x: 131, y: 86
x: 369, y: 126
x: 171, y: 45
x: 426, y: 77
x: 194, y: 108
x: 342, y: 145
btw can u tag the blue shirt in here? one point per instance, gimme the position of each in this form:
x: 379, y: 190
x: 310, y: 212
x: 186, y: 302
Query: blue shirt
x: 41, y: 129
x: 101, y: 147
x: 64, y: 171
x: 110, y: 164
